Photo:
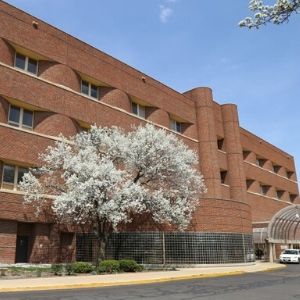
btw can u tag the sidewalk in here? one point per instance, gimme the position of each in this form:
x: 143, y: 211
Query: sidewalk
x: 71, y: 282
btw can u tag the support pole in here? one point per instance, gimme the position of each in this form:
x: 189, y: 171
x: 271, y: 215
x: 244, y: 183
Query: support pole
x: 164, y: 248
x: 271, y: 258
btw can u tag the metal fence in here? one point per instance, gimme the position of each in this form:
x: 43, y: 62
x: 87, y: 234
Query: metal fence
x: 171, y: 247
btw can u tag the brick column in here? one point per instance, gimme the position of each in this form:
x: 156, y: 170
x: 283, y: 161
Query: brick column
x: 208, y: 149
x: 235, y: 172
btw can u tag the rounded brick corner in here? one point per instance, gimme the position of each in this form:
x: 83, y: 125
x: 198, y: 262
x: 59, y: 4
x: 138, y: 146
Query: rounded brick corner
x: 202, y: 96
x: 158, y: 116
x: 55, y: 124
x: 115, y: 97
x: 190, y: 130
x: 219, y: 215
x: 60, y: 74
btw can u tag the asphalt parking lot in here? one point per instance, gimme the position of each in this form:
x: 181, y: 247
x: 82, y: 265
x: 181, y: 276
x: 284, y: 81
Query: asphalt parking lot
x: 275, y: 285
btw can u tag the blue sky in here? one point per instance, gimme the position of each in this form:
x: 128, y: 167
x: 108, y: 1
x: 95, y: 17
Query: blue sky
x: 190, y: 43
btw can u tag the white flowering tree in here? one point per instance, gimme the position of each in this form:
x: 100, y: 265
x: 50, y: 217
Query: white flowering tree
x: 278, y: 13
x: 104, y: 177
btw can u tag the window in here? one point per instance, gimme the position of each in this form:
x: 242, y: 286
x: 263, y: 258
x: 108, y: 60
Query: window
x: 276, y: 168
x: 293, y: 197
x: 11, y: 176
x: 264, y: 189
x: 223, y: 175
x: 249, y: 183
x: 26, y: 63
x: 20, y: 117
x: 138, y: 110
x: 260, y: 162
x: 89, y: 89
x: 289, y: 174
x: 246, y: 154
x: 279, y: 194
x: 175, y: 126
x: 220, y: 144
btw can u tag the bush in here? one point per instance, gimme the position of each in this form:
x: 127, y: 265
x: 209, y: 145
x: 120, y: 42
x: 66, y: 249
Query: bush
x: 69, y: 269
x: 82, y: 267
x: 130, y: 265
x: 57, y: 269
x: 109, y: 266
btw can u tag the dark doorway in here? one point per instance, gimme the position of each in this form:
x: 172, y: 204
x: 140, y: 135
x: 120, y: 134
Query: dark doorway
x: 22, y: 249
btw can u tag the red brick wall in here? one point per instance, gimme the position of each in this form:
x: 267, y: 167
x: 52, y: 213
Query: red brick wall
x: 15, y: 26
x: 212, y: 215
x: 8, y: 235
x: 4, y: 107
x: 7, y: 53
x: 60, y: 108
x: 55, y: 124
x: 115, y: 98
x: 60, y: 74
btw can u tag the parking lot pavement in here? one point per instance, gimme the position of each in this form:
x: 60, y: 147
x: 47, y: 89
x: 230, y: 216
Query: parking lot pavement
x: 72, y: 282
x: 273, y: 285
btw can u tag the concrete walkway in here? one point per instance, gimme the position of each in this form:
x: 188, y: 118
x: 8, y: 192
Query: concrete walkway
x: 71, y: 282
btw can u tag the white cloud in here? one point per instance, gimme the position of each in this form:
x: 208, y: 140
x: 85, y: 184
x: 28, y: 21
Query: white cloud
x: 165, y: 13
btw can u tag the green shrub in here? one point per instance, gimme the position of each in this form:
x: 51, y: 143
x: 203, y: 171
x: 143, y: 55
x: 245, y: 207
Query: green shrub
x: 130, y: 265
x: 109, y: 266
x: 82, y: 267
x: 38, y: 273
x: 69, y: 269
x: 57, y: 269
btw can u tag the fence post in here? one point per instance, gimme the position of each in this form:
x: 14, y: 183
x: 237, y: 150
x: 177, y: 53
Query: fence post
x: 244, y: 249
x: 163, y: 248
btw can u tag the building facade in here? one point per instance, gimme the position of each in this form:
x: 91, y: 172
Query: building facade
x: 52, y: 83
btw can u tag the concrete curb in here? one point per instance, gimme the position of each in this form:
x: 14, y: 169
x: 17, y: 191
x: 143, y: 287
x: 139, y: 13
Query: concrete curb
x: 132, y: 282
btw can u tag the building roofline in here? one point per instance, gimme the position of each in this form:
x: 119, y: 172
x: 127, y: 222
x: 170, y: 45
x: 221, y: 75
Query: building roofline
x: 138, y: 72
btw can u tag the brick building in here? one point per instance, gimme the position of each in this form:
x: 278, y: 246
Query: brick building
x: 52, y: 83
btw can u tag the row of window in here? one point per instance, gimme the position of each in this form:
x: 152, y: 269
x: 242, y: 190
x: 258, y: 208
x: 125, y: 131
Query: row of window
x: 23, y: 118
x: 31, y: 66
x: 140, y: 111
x: 12, y: 175
x: 261, y: 162
x: 263, y: 188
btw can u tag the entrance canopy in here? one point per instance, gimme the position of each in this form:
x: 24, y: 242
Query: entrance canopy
x: 284, y: 228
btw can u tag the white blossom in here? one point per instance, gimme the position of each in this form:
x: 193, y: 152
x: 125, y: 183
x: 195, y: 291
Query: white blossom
x: 104, y: 177
x: 276, y: 14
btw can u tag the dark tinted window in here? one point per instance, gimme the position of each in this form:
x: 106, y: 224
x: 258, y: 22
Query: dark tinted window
x: 32, y: 66
x: 21, y: 172
x: 14, y: 115
x: 20, y: 61
x: 221, y: 144
x: 94, y: 91
x: 8, y: 174
x: 290, y: 252
x: 223, y: 175
x: 134, y: 108
x: 84, y: 87
x: 27, y: 118
x: 178, y: 127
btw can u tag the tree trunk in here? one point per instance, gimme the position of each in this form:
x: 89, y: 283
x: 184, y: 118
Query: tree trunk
x: 102, y: 235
